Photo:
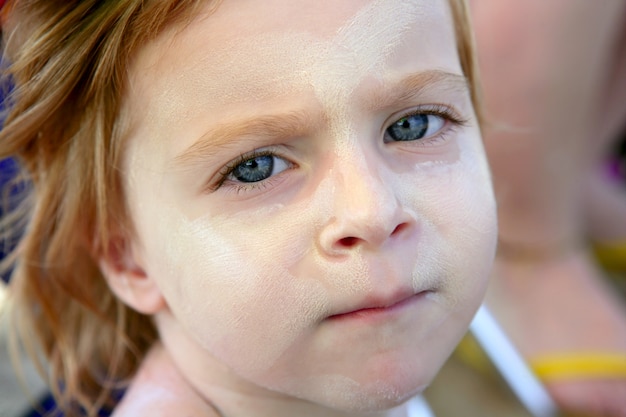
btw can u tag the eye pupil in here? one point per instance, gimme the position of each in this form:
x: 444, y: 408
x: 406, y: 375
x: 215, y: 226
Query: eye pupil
x: 409, y: 128
x: 251, y: 164
x: 254, y: 169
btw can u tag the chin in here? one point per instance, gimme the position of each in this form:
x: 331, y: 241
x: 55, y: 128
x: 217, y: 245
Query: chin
x: 372, y: 390
x: 377, y: 397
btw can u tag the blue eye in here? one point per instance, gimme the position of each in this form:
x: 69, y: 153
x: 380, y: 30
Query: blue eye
x: 258, y: 168
x: 415, y: 127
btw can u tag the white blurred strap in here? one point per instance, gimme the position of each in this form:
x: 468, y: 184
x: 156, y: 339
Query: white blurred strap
x: 511, y: 365
x: 418, y: 407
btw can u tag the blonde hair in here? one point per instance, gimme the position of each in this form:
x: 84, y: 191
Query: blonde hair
x: 68, y: 62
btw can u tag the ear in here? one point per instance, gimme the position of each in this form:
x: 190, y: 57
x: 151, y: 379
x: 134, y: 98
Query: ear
x: 127, y: 278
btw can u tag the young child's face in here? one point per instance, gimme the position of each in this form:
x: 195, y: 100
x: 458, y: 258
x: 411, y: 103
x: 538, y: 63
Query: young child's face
x: 307, y: 201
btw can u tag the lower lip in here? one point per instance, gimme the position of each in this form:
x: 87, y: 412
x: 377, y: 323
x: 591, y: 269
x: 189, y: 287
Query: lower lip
x: 380, y: 313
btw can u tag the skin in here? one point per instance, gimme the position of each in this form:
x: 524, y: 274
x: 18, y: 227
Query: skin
x: 249, y: 282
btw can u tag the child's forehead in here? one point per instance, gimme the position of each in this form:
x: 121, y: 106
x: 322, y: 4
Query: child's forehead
x: 322, y: 18
x: 241, y: 54
x: 359, y: 33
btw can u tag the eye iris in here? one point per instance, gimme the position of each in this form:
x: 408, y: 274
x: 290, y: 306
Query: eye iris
x: 255, y: 169
x: 409, y: 128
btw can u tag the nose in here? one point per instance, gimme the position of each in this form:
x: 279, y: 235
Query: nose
x: 367, y: 212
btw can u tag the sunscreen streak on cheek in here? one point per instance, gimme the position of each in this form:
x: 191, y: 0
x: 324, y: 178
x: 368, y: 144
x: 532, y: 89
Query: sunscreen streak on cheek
x: 456, y: 201
x: 233, y: 288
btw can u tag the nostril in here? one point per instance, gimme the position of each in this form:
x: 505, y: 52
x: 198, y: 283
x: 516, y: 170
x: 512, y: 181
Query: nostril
x: 351, y: 241
x: 348, y: 242
x: 399, y: 228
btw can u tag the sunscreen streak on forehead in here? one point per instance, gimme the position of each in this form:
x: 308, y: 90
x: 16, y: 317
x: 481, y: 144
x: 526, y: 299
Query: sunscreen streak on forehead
x: 360, y: 49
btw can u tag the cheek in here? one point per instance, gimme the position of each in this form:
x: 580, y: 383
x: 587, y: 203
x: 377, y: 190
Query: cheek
x: 456, y: 206
x: 227, y: 283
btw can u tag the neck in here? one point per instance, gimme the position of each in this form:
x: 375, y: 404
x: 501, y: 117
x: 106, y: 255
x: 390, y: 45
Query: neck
x: 223, y: 394
x: 243, y: 404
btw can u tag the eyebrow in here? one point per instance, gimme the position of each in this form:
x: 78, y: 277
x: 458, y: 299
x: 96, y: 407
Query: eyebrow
x: 293, y: 124
x: 222, y: 136
x: 416, y: 84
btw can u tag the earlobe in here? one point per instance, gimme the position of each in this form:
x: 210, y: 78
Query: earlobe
x: 128, y: 279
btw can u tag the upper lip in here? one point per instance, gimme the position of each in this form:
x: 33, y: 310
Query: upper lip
x: 379, y: 301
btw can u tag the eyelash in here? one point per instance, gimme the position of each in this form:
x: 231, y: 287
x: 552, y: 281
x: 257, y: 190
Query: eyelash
x: 446, y: 113
x: 449, y: 115
x: 230, y: 167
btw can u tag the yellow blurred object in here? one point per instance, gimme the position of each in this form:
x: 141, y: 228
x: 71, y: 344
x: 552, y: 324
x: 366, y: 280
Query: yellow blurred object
x: 584, y: 365
x: 470, y: 353
x: 550, y: 368
x: 612, y: 256
x: 558, y: 366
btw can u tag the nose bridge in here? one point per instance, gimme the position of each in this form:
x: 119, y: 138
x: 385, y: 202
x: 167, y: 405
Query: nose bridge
x: 366, y: 210
x: 361, y: 189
